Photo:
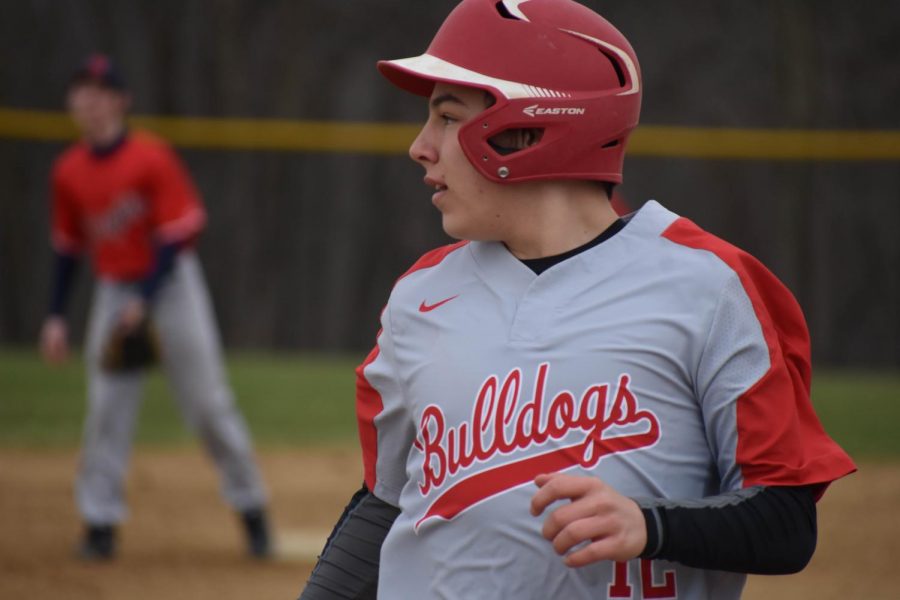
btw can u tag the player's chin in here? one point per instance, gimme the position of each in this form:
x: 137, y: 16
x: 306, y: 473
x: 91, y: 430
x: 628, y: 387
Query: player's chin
x: 456, y: 228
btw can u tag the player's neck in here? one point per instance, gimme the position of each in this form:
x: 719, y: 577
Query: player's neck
x: 105, y: 135
x: 559, y: 219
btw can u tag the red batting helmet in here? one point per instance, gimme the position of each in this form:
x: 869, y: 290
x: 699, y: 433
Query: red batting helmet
x: 551, y: 64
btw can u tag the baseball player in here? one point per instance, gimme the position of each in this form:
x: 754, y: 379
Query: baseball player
x: 124, y: 198
x: 569, y: 404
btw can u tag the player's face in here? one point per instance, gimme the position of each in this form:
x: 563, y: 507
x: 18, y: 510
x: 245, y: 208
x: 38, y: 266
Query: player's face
x: 97, y: 111
x: 472, y: 207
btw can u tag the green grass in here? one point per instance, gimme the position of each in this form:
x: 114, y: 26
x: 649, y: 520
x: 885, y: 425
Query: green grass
x: 861, y: 410
x: 286, y: 399
x: 305, y: 399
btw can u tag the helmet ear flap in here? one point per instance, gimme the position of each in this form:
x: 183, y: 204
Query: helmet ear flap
x: 551, y: 138
x: 515, y: 139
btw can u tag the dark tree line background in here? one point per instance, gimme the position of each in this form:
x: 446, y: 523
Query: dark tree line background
x: 302, y: 248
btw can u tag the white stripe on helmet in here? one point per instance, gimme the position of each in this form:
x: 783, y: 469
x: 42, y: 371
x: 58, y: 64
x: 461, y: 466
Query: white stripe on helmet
x: 513, y: 7
x: 629, y: 64
x: 432, y: 67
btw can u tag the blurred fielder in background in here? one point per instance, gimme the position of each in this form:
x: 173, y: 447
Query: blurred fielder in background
x: 568, y: 403
x: 125, y: 199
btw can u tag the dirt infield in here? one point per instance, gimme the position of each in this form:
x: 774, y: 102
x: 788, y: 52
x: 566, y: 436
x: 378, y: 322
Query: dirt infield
x: 181, y: 542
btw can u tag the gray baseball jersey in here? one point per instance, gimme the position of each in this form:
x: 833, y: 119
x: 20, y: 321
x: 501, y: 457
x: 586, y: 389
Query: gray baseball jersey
x: 663, y: 361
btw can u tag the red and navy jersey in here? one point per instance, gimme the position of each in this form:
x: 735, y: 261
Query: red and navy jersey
x: 663, y: 361
x: 118, y: 206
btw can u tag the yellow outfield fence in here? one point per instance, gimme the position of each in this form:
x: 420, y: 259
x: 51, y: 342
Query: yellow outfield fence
x: 394, y: 138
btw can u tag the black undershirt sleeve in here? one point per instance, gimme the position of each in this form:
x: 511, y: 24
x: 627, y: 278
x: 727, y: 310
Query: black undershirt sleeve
x: 347, y: 569
x: 65, y: 267
x: 758, y: 530
x: 163, y: 264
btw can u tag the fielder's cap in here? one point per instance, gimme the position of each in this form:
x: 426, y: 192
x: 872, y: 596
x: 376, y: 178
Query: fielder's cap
x: 101, y: 70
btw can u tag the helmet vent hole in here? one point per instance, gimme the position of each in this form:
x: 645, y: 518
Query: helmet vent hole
x: 504, y: 12
x: 617, y: 67
x: 611, y: 144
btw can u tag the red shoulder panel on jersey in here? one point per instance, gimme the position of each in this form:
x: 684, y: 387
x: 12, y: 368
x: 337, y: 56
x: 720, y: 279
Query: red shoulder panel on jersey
x: 433, y: 258
x: 780, y: 438
x: 368, y: 401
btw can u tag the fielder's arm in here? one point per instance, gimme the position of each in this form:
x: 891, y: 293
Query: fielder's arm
x: 54, y: 341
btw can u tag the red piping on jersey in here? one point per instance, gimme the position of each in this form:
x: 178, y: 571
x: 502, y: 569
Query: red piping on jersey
x: 368, y: 401
x: 433, y: 258
x: 780, y: 439
x: 368, y: 405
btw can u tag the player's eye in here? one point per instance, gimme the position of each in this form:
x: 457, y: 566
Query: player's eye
x: 447, y: 119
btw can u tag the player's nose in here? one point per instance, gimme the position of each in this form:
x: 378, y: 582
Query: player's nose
x: 423, y: 150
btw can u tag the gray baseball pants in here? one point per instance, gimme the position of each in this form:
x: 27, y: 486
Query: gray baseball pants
x: 192, y: 363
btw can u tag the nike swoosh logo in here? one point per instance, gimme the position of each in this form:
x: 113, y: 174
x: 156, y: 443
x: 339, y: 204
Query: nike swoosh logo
x: 430, y: 307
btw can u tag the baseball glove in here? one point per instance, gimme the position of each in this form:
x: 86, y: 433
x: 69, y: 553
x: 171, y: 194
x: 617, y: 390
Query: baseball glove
x: 133, y: 349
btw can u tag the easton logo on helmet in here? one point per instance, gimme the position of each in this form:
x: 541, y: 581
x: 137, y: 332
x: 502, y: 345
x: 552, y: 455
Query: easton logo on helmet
x: 534, y: 109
